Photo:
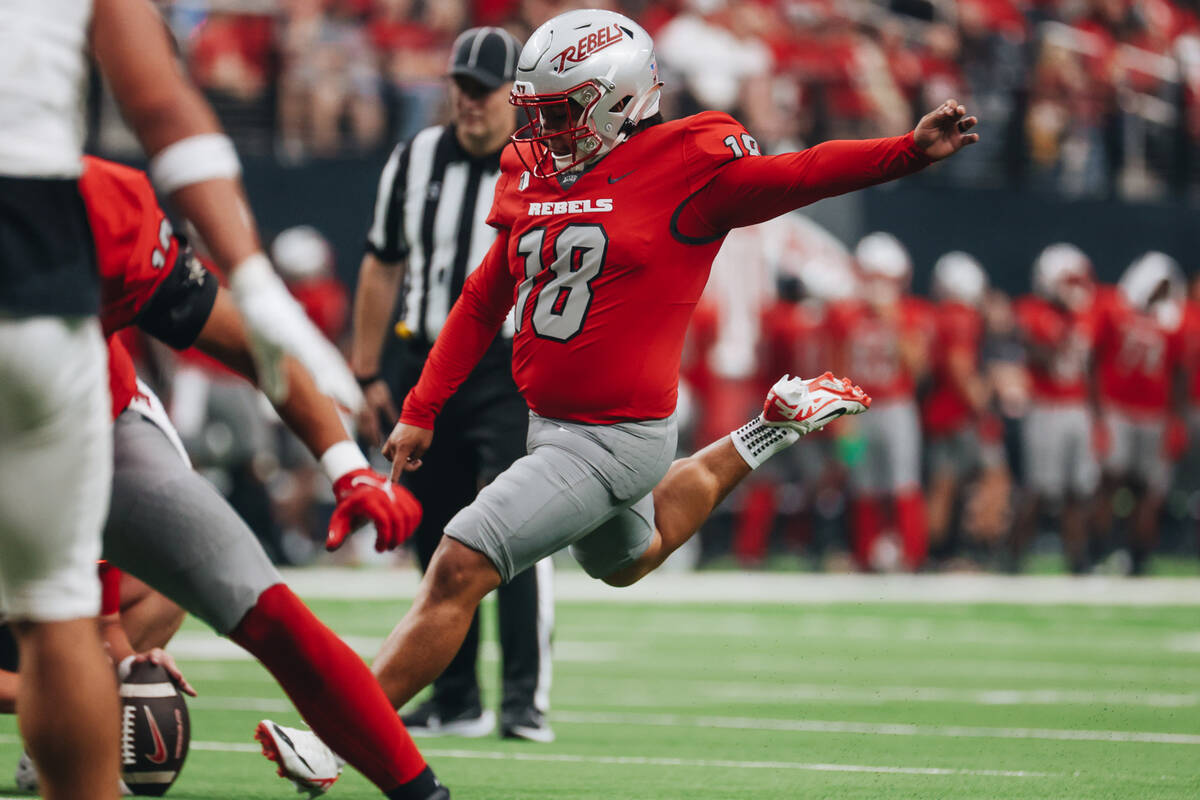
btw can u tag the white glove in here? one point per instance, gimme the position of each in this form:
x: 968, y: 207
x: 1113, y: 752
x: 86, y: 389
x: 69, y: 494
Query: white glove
x: 278, y: 325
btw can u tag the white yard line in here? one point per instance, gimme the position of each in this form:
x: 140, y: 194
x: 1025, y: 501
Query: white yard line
x: 967, y: 664
x: 625, y: 693
x: 560, y: 758
x: 870, y: 728
x: 275, y: 705
x: 495, y: 755
x: 836, y: 693
x: 782, y: 588
x: 729, y: 764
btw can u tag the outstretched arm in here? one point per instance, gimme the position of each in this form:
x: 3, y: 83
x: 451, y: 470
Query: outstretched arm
x: 751, y: 190
x: 476, y: 318
x: 193, y: 161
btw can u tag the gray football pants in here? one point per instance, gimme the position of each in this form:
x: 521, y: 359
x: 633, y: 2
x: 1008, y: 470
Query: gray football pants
x: 170, y: 527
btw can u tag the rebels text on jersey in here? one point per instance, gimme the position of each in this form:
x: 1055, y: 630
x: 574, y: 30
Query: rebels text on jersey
x: 147, y: 277
x: 605, y: 272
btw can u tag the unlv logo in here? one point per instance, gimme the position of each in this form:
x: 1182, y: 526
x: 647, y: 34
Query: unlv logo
x: 586, y: 46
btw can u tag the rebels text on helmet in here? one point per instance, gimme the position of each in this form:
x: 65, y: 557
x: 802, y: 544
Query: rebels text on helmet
x: 586, y: 46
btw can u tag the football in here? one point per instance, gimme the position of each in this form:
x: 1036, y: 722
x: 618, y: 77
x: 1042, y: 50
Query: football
x: 155, y: 731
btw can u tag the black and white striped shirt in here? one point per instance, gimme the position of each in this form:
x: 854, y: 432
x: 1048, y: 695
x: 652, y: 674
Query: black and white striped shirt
x: 431, y: 210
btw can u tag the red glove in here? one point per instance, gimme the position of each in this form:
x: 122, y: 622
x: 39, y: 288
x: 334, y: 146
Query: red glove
x: 1175, y: 438
x: 364, y: 496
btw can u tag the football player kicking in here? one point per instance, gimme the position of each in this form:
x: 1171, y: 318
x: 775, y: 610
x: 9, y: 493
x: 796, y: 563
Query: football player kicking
x: 608, y: 223
x: 170, y: 528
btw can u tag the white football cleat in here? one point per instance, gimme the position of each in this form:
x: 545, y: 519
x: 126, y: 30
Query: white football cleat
x: 807, y: 406
x: 26, y: 777
x: 793, y: 408
x: 302, y: 758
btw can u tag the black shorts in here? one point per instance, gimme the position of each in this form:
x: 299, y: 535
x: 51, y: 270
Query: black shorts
x: 47, y: 257
x: 487, y: 413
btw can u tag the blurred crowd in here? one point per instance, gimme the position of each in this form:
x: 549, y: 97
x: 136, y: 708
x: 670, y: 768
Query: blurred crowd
x: 1071, y: 411
x: 999, y: 425
x: 1086, y: 97
x: 1063, y: 422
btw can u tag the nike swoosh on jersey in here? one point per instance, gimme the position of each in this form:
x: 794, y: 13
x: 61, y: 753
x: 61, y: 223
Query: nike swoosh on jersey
x: 611, y: 179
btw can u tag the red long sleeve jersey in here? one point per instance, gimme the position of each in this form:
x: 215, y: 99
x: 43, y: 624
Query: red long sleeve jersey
x: 605, y: 274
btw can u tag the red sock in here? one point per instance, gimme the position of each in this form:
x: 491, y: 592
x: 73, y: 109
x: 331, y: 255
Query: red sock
x: 914, y: 530
x: 331, y: 687
x: 867, y: 523
x: 754, y: 525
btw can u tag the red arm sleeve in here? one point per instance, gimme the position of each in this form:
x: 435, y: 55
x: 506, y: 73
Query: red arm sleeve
x: 110, y: 589
x: 747, y: 191
x: 474, y: 321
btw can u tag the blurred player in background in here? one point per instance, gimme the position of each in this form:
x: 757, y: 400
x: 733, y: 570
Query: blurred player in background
x: 304, y: 259
x: 727, y: 386
x: 961, y: 436
x: 811, y: 269
x: 608, y: 221
x: 1061, y: 470
x: 429, y: 233
x: 882, y: 337
x: 1141, y: 392
x: 1190, y: 471
x: 170, y: 527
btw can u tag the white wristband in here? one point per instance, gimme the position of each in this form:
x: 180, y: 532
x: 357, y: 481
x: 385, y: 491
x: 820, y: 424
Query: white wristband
x: 254, y: 273
x: 194, y: 159
x: 341, y: 458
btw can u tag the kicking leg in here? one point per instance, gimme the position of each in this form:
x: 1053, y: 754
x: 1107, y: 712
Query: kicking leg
x: 695, y: 485
x: 426, y: 639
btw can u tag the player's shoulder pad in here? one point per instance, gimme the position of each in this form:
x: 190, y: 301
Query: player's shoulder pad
x: 711, y: 120
x: 510, y: 162
x: 710, y: 140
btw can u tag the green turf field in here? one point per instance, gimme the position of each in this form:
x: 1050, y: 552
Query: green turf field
x: 668, y: 699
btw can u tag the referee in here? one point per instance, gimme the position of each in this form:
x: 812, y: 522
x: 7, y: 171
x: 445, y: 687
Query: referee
x: 429, y: 230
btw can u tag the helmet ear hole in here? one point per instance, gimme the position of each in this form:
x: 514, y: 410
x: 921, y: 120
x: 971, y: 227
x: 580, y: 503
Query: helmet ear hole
x: 620, y: 106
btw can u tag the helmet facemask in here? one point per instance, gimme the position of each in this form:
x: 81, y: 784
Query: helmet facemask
x: 562, y: 119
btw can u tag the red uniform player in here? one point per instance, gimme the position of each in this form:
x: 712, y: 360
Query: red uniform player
x: 960, y: 441
x: 1057, y: 326
x: 883, y: 340
x: 168, y: 526
x: 1139, y: 373
x: 608, y: 223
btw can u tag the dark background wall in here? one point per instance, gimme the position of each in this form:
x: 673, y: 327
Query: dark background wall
x: 1003, y: 228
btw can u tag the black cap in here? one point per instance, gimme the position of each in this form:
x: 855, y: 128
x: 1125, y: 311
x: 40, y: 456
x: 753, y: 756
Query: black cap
x: 487, y: 55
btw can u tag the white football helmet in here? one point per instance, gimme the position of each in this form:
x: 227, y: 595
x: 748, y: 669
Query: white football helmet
x: 301, y: 253
x: 1063, y: 273
x: 585, y: 80
x: 959, y: 277
x: 884, y: 267
x: 1155, y: 284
